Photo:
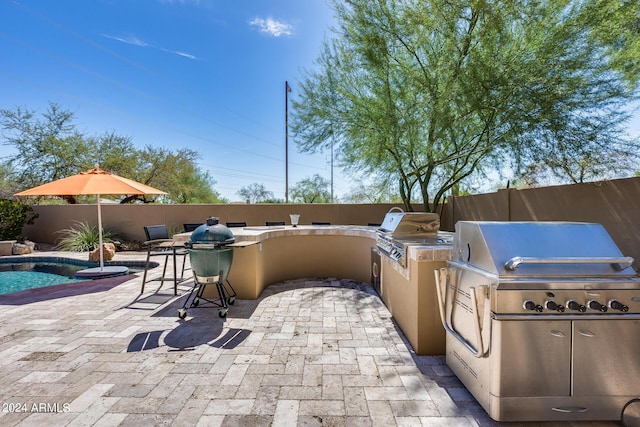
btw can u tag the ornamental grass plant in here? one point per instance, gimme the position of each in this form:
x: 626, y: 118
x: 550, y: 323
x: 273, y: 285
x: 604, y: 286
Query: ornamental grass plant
x: 83, y: 237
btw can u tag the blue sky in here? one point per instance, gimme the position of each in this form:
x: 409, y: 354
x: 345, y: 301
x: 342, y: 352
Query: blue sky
x: 205, y: 74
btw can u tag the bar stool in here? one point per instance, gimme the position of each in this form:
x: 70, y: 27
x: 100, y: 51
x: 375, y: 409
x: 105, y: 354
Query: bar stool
x: 237, y: 224
x: 159, y: 244
x: 190, y: 227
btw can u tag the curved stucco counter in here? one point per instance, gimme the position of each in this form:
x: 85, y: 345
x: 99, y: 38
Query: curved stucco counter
x: 266, y: 255
x: 271, y: 254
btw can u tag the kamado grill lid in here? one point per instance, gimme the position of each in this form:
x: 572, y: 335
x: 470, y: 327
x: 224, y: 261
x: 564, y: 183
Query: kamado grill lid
x: 212, y: 232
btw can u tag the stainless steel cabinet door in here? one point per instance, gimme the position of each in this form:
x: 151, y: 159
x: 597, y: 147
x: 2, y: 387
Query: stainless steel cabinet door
x: 606, y: 357
x: 531, y: 358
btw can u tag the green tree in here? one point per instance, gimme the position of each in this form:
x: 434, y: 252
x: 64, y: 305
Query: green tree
x: 115, y: 153
x: 314, y: 189
x: 176, y: 173
x: 50, y: 147
x: 379, y: 192
x: 8, y: 185
x: 14, y: 216
x: 577, y: 161
x: 255, y: 193
x: 431, y: 94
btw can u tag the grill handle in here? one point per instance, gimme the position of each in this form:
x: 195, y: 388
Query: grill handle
x: 441, y: 276
x: 197, y: 245
x: 618, y: 264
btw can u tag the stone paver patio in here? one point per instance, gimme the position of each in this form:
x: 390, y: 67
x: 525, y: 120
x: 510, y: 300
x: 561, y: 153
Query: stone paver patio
x: 308, y: 352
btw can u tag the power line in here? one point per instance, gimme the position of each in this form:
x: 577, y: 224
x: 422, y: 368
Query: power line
x: 212, y: 167
x: 139, y: 92
x: 132, y: 89
x: 122, y: 58
x: 155, y: 123
x: 152, y: 97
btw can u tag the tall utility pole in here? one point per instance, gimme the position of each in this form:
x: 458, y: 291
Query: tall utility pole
x: 332, y: 141
x: 287, y: 89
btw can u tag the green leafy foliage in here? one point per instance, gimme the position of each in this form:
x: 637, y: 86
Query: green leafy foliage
x: 255, y: 193
x: 433, y: 95
x: 83, y: 237
x: 13, y: 217
x: 314, y: 189
x: 49, y: 147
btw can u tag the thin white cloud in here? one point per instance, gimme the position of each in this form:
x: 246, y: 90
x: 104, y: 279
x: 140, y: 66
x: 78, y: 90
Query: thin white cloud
x: 272, y: 27
x: 133, y: 40
x: 186, y: 55
x: 128, y: 40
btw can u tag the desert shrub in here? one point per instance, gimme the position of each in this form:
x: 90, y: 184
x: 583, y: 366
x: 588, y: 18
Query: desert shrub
x: 14, y: 216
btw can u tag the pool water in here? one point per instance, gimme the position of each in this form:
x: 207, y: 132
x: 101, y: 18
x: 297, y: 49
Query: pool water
x: 20, y: 276
x: 31, y: 275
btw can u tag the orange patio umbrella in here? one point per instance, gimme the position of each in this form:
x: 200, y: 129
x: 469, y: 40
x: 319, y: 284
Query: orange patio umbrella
x: 95, y: 181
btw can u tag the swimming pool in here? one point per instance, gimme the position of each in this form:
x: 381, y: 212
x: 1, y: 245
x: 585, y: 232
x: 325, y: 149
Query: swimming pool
x: 19, y: 274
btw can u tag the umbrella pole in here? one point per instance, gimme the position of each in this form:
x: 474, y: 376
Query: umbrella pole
x: 100, y: 232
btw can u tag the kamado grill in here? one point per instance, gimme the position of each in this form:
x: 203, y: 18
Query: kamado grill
x: 542, y: 320
x: 210, y: 255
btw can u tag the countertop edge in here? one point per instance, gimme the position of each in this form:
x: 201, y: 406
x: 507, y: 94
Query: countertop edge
x: 441, y: 252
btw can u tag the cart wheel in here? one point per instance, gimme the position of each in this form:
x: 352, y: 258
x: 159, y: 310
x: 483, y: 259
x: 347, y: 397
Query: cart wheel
x: 222, y: 313
x: 195, y: 302
x: 182, y: 313
x: 231, y: 300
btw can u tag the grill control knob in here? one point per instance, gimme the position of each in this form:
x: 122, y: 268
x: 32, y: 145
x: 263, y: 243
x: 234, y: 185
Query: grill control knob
x: 572, y: 305
x: 617, y: 305
x: 530, y: 305
x: 595, y: 305
x: 551, y: 305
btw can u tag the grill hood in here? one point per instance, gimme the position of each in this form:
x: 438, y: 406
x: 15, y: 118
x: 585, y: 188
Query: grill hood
x: 399, y: 224
x: 212, y: 232
x: 539, y: 249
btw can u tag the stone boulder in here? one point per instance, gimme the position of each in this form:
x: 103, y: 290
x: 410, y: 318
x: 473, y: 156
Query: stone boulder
x: 23, y: 248
x: 108, y: 250
x: 6, y: 247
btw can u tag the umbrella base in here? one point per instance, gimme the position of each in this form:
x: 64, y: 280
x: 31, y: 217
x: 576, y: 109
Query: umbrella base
x: 100, y: 273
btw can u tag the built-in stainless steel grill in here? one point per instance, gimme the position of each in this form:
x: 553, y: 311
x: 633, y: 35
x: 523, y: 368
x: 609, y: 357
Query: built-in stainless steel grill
x: 401, y: 229
x: 542, y: 320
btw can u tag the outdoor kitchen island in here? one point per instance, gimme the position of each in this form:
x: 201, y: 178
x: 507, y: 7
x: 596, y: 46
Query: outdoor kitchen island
x: 264, y: 255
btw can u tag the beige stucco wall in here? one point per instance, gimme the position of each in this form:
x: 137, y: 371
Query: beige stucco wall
x: 128, y: 220
x: 317, y: 255
x: 291, y: 257
x: 413, y: 303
